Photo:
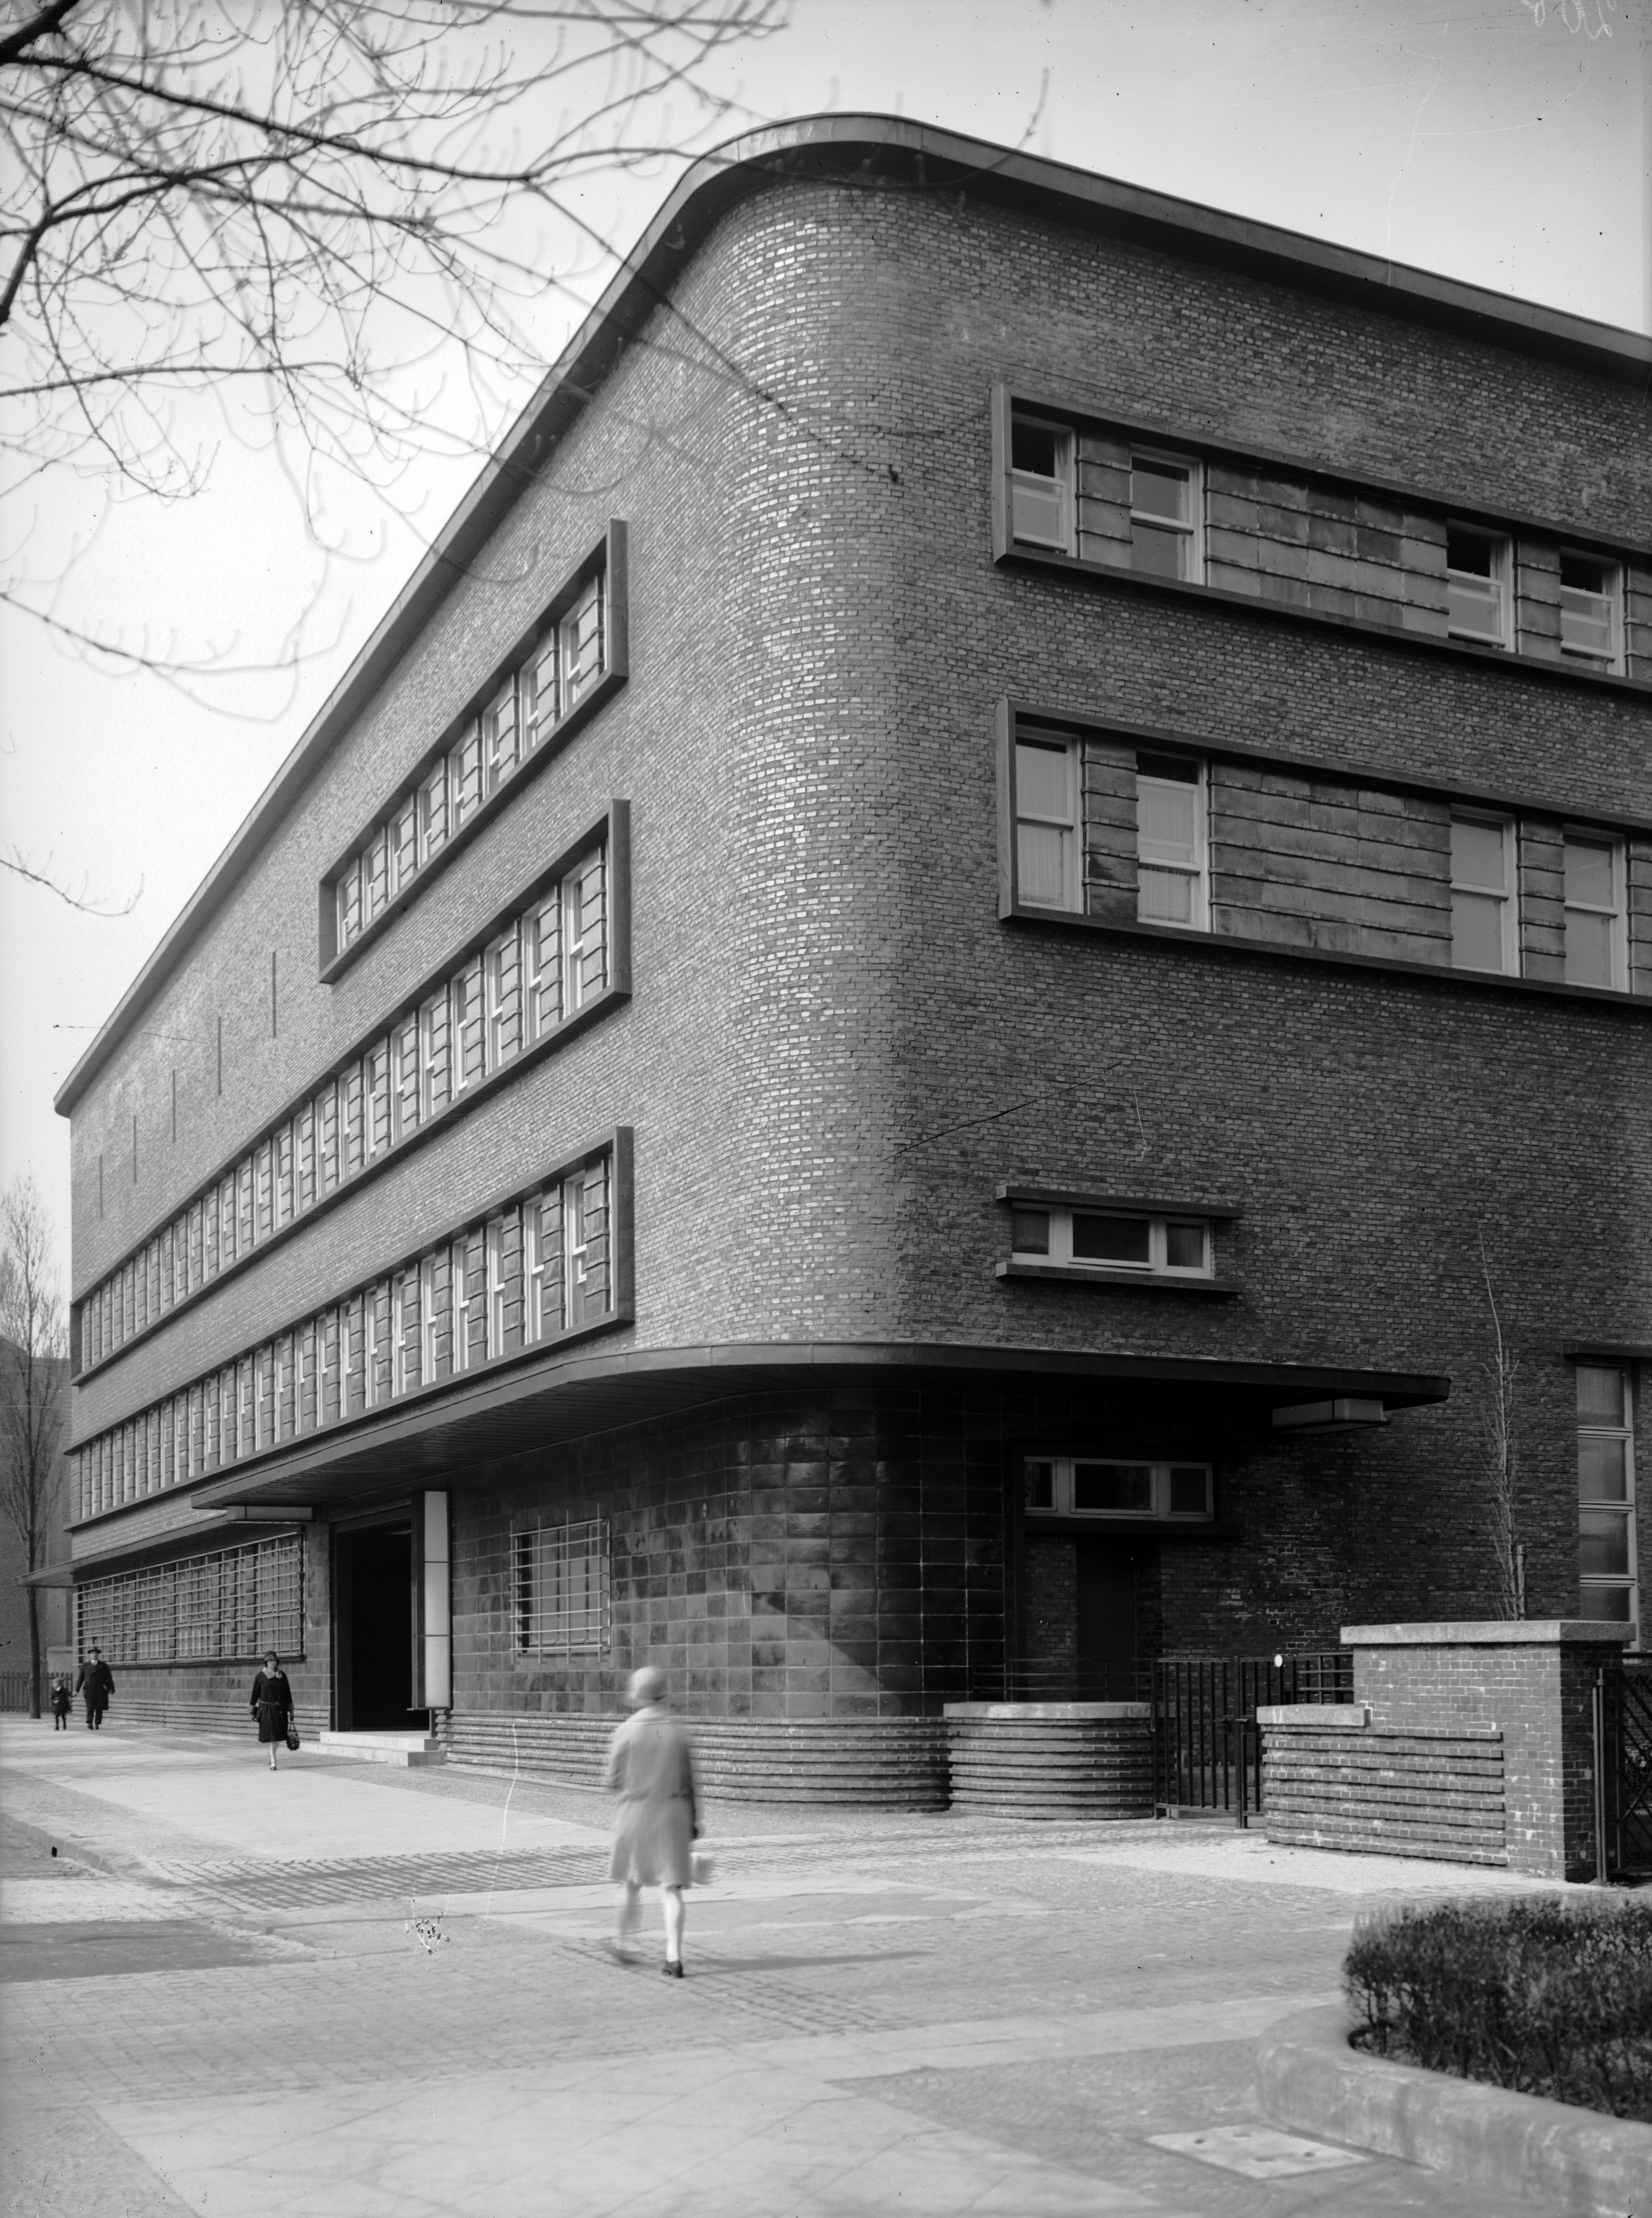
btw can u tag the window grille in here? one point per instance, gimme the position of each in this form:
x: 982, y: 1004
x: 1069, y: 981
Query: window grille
x: 561, y: 1586
x: 234, y: 1604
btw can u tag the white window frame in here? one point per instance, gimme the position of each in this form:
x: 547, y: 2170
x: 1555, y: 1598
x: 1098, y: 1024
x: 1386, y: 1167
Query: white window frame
x: 1617, y: 914
x: 494, y: 1248
x: 1158, y: 855
x: 493, y: 955
x: 1611, y: 658
x: 1060, y: 1472
x: 404, y: 1287
x: 1473, y: 583
x: 1059, y: 489
x: 1191, y: 534
x: 1509, y: 894
x: 1059, y: 1253
x: 435, y: 803
x: 1615, y: 1582
x: 1069, y: 825
x: 577, y: 1243
x: 498, y: 719
x: 460, y: 1306
x: 575, y: 946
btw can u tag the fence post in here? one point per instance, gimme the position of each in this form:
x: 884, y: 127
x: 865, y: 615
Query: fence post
x: 1598, y: 1718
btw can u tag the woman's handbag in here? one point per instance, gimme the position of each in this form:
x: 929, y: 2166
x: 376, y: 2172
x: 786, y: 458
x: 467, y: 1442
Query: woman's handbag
x: 292, y: 1730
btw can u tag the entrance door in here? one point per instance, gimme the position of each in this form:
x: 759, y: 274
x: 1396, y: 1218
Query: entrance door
x: 374, y: 1571
x: 1106, y: 1629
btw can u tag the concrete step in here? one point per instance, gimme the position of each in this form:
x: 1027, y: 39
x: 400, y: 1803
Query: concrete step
x: 408, y: 1750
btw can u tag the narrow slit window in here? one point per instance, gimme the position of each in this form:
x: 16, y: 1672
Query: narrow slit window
x: 1608, y: 1570
x: 1048, y: 856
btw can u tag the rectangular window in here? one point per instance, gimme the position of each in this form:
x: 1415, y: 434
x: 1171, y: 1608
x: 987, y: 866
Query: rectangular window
x: 502, y: 992
x: 1041, y: 484
x: 347, y: 894
x: 580, y: 646
x: 404, y: 846
x: 499, y: 737
x: 352, y: 1356
x: 434, y: 1064
x: 1106, y: 1486
x: 543, y: 966
x: 1606, y: 1493
x: 1477, y: 584
x: 561, y: 1591
x: 1484, y: 935
x: 285, y: 1182
x: 465, y: 777
x: 586, y: 1276
x: 326, y: 1139
x: 352, y: 1117
x: 469, y: 1301
x: 435, y: 1319
x: 375, y: 875
x: 469, y: 1033
x: 1101, y: 1239
x: 498, y: 1284
x: 543, y: 1263
x: 407, y: 1089
x: 375, y: 1069
x: 433, y: 812
x: 406, y: 1338
x: 329, y: 1380
x: 1172, y: 876
x: 1590, y: 611
x: 1048, y: 850
x: 236, y: 1603
x: 1596, y: 923
x: 1165, y: 516
x: 585, y: 931
x: 264, y: 1168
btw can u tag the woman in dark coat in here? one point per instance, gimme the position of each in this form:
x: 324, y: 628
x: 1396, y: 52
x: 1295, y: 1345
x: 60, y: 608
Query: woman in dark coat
x: 272, y: 1705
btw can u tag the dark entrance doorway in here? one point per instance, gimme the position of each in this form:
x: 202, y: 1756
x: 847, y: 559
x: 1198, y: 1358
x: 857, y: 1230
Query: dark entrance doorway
x: 1107, y: 1648
x: 373, y: 1572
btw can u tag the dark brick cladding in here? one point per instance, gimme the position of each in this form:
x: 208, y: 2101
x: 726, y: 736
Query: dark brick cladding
x: 835, y: 1049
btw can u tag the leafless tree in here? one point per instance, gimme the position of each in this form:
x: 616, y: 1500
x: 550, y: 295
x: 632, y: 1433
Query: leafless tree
x: 304, y: 197
x: 34, y: 1364
x: 1499, y: 1448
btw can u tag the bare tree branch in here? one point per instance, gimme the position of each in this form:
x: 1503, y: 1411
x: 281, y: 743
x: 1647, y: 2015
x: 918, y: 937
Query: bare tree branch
x: 88, y: 903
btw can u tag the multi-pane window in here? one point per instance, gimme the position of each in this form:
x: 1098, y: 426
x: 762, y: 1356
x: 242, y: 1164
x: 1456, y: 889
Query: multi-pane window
x: 1477, y: 584
x: 1106, y: 1486
x: 1165, y: 516
x: 561, y: 670
x: 1606, y: 1492
x: 235, y: 1603
x: 560, y: 1589
x: 1483, y: 935
x: 1100, y: 1239
x: 1596, y: 936
x: 1049, y: 850
x: 1591, y: 610
x: 1170, y: 846
x: 1041, y: 484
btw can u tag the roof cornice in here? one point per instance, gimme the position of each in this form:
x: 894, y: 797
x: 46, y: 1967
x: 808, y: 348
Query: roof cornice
x: 880, y: 151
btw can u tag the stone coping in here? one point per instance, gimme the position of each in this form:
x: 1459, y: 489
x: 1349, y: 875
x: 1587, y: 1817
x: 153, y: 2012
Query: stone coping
x: 1314, y: 1713
x: 1491, y: 1632
x: 1014, y: 1713
x: 1581, y: 2164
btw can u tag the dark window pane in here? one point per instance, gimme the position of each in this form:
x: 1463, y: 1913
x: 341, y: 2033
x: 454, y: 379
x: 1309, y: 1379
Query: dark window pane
x: 1467, y: 550
x: 1041, y: 1485
x: 1189, y: 1490
x: 1602, y: 1469
x: 1030, y: 1232
x: 1600, y: 1395
x: 1033, y: 447
x: 1111, y: 1239
x: 1122, y: 1488
x: 1608, y: 1605
x: 1604, y: 1543
x: 1185, y: 1246
x: 1587, y: 573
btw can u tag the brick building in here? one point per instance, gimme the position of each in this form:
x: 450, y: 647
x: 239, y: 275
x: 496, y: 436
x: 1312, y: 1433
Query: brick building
x: 894, y: 1036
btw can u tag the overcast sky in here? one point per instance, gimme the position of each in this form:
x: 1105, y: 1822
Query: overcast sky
x: 1505, y: 143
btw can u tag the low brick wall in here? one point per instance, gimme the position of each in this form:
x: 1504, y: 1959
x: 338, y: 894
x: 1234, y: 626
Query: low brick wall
x: 891, y: 1763
x: 1052, y: 1759
x: 1337, y: 1781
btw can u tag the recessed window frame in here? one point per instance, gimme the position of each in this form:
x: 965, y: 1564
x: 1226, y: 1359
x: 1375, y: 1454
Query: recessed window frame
x: 1059, y: 1253
x: 1593, y: 1587
x: 1474, y: 890
x: 1059, y: 1476
x: 1499, y: 547
x: 1153, y: 854
x: 1059, y: 488
x: 470, y: 802
x: 1067, y: 825
x: 1189, y: 537
x: 1616, y: 914
x: 1607, y: 660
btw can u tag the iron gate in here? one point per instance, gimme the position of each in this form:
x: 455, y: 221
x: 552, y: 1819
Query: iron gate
x: 1207, y: 1745
x: 1622, y: 1770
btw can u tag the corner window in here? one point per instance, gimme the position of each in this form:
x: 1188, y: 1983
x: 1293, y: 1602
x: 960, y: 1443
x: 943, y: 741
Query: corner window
x: 1083, y: 1486
x: 1164, y: 511
x: 1596, y: 927
x: 1172, y: 855
x: 1590, y: 611
x: 1047, y: 856
x: 1606, y: 1493
x: 1477, y: 584
x: 1096, y: 1240
x: 1041, y: 484
x: 1482, y: 895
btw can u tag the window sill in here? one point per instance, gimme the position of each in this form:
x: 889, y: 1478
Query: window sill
x: 332, y: 967
x: 1228, y: 944
x: 1018, y: 555
x: 1069, y: 1525
x: 1130, y: 1282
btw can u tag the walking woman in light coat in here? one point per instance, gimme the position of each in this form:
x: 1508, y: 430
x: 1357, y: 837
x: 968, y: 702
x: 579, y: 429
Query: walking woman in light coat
x: 651, y: 1767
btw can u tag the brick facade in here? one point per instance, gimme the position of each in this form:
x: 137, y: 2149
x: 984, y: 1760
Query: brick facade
x: 837, y: 1049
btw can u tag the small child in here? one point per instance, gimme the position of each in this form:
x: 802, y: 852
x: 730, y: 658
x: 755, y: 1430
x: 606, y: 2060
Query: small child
x: 62, y: 1696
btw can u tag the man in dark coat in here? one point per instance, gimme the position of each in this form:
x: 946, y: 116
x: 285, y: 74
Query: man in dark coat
x: 95, y: 1682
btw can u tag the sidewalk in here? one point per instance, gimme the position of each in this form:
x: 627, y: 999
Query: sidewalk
x: 344, y: 1992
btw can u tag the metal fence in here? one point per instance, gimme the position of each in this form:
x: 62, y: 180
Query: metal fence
x: 1207, y: 1744
x: 1623, y: 1770
x: 14, y: 1692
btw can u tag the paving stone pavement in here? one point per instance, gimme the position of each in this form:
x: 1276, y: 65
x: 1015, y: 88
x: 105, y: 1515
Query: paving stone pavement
x: 343, y: 1993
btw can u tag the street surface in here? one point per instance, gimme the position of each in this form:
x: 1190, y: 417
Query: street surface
x: 343, y: 1991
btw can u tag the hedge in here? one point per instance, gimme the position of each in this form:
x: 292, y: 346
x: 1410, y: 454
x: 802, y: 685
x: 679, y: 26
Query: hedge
x: 1546, y: 1996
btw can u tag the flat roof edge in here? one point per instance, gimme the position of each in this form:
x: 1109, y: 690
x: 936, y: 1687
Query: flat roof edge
x: 829, y: 146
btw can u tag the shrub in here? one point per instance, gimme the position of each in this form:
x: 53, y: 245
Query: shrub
x: 1539, y: 1994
